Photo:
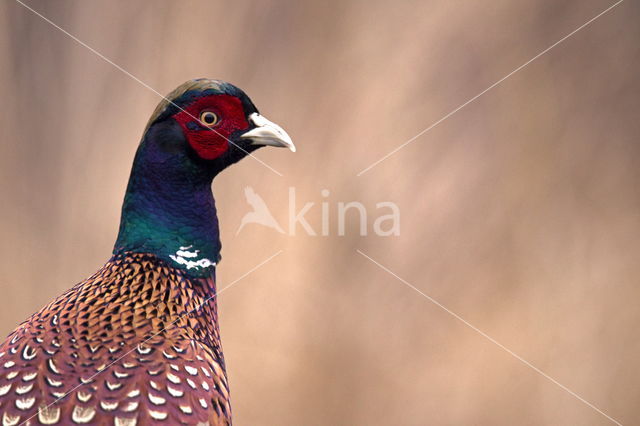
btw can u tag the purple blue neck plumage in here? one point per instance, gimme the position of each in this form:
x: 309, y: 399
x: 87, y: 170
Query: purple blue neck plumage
x: 169, y: 209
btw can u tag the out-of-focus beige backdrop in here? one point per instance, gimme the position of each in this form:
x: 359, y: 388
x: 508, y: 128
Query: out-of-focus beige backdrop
x: 520, y: 212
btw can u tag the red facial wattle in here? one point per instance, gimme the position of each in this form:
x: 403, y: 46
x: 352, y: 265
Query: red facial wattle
x: 210, y: 142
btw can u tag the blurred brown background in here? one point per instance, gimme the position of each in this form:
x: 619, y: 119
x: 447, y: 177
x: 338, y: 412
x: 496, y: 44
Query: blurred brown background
x: 520, y: 212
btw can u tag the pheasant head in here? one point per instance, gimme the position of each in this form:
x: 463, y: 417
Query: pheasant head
x: 198, y: 130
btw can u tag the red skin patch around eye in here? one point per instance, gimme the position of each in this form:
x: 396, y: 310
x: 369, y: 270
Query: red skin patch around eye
x: 212, y: 142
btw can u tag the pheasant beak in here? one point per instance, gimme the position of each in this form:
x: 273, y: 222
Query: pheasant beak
x: 267, y: 133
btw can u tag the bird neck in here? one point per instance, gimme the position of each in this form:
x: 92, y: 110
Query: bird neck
x: 169, y: 211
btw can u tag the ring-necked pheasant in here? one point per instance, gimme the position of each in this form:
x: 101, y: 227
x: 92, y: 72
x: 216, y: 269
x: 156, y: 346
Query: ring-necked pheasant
x: 138, y: 342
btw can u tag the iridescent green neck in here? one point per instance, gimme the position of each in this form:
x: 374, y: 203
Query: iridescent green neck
x: 169, y: 210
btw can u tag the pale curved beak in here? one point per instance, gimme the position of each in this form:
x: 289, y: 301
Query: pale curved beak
x: 267, y: 133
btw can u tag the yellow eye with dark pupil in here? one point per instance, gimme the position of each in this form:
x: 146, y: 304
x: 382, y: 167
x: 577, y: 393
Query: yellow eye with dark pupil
x: 208, y: 118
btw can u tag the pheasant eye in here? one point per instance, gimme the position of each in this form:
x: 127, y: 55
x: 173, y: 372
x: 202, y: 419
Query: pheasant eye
x: 208, y: 118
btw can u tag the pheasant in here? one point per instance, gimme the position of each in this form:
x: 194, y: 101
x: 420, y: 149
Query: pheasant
x: 138, y: 342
